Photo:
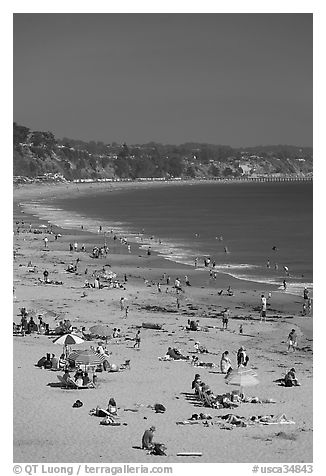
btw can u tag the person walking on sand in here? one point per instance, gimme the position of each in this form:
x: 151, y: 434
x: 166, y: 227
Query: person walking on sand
x: 46, y: 242
x: 284, y: 285
x: 292, y: 341
x: 75, y: 246
x: 305, y: 295
x: 178, y: 303
x: 126, y: 311
x: 137, y: 340
x: 187, y: 281
x: 122, y: 303
x: 159, y: 288
x: 263, y: 308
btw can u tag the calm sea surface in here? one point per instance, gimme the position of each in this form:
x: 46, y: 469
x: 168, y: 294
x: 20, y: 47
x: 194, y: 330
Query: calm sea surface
x: 236, y: 225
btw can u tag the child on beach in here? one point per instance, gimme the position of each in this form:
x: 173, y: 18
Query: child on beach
x: 263, y: 308
x: 292, y: 341
x: 137, y: 340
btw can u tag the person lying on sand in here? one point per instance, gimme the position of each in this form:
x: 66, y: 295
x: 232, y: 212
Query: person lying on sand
x: 175, y: 354
x: 243, y: 421
x: 200, y: 348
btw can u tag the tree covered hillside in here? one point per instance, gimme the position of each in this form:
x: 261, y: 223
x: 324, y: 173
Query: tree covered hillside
x: 37, y: 153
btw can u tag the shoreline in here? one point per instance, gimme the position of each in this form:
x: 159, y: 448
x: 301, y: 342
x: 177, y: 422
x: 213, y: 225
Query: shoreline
x: 73, y: 190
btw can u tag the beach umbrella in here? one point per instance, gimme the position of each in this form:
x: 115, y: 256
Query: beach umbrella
x: 87, y: 357
x: 100, y: 330
x: 68, y: 339
x: 242, y: 378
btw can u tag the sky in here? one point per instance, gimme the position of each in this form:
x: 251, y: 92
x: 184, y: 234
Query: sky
x: 236, y: 79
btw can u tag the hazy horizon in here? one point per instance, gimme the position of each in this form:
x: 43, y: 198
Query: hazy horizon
x: 241, y: 80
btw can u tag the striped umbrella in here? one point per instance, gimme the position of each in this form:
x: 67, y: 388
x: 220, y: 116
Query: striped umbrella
x: 87, y: 357
x: 68, y: 339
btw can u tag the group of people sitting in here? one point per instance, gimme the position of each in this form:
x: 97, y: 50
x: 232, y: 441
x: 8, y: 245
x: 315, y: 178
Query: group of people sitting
x: 225, y: 400
x: 192, y: 325
x: 81, y: 378
x: 52, y: 362
x: 64, y: 327
x: 29, y: 326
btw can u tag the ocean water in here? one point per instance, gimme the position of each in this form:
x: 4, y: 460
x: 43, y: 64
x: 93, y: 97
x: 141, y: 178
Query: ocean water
x: 237, y: 225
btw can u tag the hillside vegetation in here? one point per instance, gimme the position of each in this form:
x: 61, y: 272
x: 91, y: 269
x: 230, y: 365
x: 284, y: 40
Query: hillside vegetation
x: 40, y: 154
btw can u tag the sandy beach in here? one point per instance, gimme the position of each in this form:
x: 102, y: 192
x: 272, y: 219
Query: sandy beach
x: 48, y: 429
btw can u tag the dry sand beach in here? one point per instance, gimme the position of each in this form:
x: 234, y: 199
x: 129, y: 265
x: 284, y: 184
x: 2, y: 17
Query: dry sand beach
x: 46, y: 426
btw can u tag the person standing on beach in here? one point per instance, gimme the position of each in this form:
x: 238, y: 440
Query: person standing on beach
x: 196, y: 262
x: 263, y: 308
x: 284, y: 285
x: 45, y: 275
x: 309, y: 305
x: 159, y: 288
x: 225, y: 318
x: 177, y: 285
x: 292, y: 340
x: 137, y: 340
x: 122, y: 303
x: 187, y: 281
x: 126, y: 311
x: 75, y: 246
x: 46, y: 242
x: 305, y: 294
x: 168, y: 280
x: 178, y: 303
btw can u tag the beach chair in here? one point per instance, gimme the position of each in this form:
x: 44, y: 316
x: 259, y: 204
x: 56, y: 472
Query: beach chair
x: 125, y: 365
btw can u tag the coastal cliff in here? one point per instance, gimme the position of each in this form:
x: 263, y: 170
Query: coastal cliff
x: 39, y: 155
